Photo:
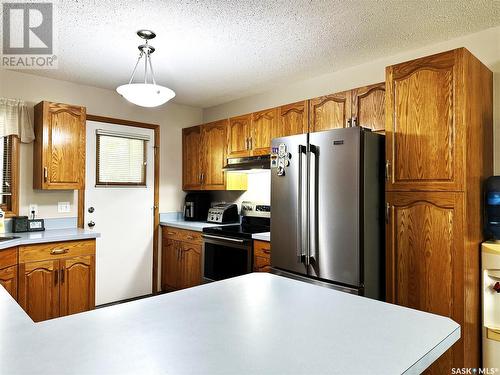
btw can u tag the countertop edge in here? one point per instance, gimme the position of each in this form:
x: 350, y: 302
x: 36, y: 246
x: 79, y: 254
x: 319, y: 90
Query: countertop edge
x: 55, y: 237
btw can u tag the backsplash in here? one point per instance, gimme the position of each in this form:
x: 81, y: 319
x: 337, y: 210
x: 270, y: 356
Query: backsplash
x: 259, y: 190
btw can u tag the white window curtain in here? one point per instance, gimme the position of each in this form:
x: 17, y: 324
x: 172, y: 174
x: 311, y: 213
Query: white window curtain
x: 15, y: 120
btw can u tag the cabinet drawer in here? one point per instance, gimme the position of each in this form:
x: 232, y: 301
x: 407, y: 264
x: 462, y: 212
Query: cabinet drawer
x: 56, y: 250
x: 182, y: 235
x: 8, y: 257
x: 262, y: 249
x: 261, y: 264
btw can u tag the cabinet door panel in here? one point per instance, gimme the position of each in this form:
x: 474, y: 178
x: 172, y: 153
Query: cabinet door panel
x: 214, y: 155
x: 238, y: 135
x: 424, y: 129
x: 425, y: 258
x: 190, y: 272
x: 170, y: 264
x: 8, y: 279
x: 64, y: 145
x: 39, y: 289
x: 262, y: 123
x: 77, y: 285
x: 368, y: 106
x: 293, y: 120
x: 330, y: 111
x: 191, y: 169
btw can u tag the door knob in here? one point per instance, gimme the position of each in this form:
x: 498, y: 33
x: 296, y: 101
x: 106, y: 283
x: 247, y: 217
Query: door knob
x: 91, y: 224
x: 91, y: 210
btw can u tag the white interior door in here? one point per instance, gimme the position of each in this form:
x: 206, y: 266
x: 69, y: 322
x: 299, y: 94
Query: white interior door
x: 123, y: 215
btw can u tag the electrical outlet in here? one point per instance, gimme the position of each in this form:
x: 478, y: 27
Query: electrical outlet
x: 63, y: 207
x: 33, y: 209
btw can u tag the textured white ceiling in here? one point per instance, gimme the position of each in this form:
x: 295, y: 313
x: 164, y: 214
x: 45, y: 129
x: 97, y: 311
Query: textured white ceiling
x: 211, y: 52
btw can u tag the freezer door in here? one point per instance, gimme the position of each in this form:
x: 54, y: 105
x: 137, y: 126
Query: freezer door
x: 335, y: 206
x: 288, y: 204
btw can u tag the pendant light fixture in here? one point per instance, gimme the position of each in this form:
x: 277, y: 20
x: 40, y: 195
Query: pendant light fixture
x: 145, y: 94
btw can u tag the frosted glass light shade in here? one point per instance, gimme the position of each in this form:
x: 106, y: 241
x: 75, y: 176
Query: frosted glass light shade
x: 145, y: 94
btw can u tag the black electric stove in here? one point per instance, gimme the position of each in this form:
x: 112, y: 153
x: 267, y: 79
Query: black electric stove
x: 228, y: 249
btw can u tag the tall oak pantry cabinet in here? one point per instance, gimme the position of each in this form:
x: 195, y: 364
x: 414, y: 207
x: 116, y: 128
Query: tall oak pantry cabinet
x: 439, y: 149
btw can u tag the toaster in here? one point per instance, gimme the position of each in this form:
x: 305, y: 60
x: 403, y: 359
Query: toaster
x: 223, y: 213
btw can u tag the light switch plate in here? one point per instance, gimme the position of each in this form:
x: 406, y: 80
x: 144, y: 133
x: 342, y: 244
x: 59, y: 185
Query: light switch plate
x: 63, y: 207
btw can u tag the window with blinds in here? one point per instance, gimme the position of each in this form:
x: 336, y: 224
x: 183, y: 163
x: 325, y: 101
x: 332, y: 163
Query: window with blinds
x: 6, y: 166
x: 121, y: 159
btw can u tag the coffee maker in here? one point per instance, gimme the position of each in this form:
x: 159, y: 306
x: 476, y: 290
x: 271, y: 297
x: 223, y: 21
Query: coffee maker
x: 196, y: 206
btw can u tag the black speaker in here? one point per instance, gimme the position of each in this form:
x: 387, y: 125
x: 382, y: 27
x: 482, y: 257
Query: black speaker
x: 492, y: 208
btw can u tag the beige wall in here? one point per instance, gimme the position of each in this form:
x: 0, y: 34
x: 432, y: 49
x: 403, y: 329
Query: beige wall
x: 485, y: 45
x: 171, y: 117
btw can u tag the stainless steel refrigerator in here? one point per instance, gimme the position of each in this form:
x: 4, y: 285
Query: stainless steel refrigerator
x: 327, y: 198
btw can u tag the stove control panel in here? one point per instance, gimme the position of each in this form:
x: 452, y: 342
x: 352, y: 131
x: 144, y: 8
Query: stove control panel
x: 255, y: 209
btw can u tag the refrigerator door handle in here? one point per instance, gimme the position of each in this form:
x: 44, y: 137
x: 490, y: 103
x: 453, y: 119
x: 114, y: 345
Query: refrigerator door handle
x: 312, y: 208
x: 300, y: 224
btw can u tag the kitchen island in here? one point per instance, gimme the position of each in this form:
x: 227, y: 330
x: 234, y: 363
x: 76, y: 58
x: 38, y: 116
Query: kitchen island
x: 254, y: 324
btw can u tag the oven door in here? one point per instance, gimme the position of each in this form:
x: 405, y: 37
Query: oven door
x: 225, y: 257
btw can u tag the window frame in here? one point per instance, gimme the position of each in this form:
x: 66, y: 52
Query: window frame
x: 118, y: 184
x: 11, y: 208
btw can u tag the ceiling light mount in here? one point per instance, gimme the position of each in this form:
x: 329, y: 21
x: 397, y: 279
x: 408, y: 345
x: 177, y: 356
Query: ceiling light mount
x: 147, y: 94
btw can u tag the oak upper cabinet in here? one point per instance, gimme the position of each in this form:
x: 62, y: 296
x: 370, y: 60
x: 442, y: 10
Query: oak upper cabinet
x: 59, y: 147
x: 191, y: 158
x: 181, y: 258
x: 57, y: 279
x: 260, y: 131
x: 8, y: 271
x: 238, y: 138
x: 330, y: 111
x: 425, y: 128
x: 425, y: 232
x: 293, y: 119
x: 368, y: 106
x: 213, y: 159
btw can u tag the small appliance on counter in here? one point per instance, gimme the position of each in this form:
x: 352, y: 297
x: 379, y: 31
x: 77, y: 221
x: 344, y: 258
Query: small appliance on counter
x: 196, y: 206
x: 23, y: 224
x: 492, y: 208
x: 223, y: 213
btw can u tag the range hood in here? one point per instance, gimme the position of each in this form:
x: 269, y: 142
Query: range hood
x: 248, y: 163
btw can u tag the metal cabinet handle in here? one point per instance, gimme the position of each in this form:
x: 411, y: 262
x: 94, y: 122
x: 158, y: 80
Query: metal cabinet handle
x: 387, y: 169
x: 251, y: 143
x: 190, y: 237
x: 45, y: 174
x: 354, y: 122
x: 387, y: 212
x: 170, y: 233
x: 266, y: 251
x: 62, y: 276
x: 56, y: 276
x: 59, y: 251
x: 348, y: 123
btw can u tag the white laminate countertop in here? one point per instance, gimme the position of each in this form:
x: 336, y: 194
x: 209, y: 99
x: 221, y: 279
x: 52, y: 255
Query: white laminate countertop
x: 52, y: 235
x: 190, y: 225
x: 266, y: 236
x: 253, y: 324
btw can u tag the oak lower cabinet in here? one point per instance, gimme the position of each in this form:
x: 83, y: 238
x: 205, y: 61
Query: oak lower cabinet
x: 261, y: 256
x: 57, y: 279
x: 181, y: 258
x: 8, y: 270
x: 425, y: 261
x: 59, y: 147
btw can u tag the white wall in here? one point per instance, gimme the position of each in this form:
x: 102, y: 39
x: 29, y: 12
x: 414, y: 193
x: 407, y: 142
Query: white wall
x: 171, y: 118
x: 485, y: 45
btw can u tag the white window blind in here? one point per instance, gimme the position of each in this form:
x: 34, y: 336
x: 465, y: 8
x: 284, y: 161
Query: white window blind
x: 6, y: 166
x: 121, y: 158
